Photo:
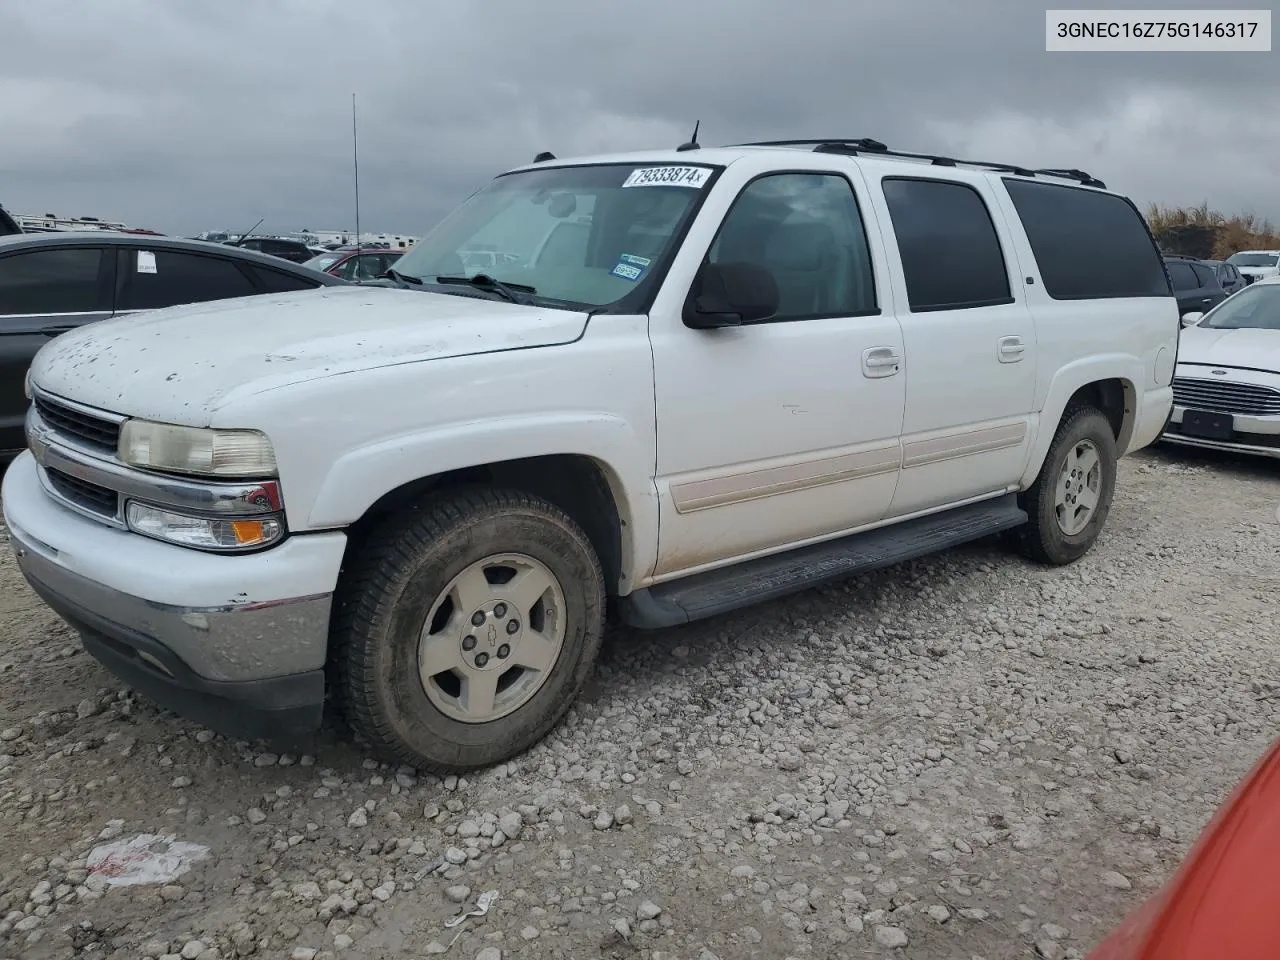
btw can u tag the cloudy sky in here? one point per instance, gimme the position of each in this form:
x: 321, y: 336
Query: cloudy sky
x: 184, y: 115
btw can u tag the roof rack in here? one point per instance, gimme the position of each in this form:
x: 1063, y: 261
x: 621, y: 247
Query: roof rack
x: 861, y: 145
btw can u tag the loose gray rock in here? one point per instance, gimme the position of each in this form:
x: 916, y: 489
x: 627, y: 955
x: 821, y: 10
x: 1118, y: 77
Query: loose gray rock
x: 891, y: 937
x: 1117, y: 881
x: 511, y: 825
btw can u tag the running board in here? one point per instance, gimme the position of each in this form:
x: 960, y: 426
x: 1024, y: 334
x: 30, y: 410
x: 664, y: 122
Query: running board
x: 715, y: 592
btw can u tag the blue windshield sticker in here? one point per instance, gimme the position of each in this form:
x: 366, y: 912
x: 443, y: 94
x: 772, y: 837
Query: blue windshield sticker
x: 630, y: 267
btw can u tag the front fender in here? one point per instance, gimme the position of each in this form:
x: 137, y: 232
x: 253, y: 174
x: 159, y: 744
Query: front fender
x: 1128, y: 369
x: 362, y: 476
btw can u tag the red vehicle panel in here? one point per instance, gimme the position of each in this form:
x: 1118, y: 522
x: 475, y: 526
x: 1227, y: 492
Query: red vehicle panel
x: 1224, y: 901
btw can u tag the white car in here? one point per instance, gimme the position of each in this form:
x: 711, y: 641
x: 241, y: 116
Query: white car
x: 1256, y: 264
x: 1226, y: 391
x: 766, y: 367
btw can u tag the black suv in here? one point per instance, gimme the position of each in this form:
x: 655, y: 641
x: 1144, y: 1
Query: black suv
x: 292, y: 250
x: 1195, y: 284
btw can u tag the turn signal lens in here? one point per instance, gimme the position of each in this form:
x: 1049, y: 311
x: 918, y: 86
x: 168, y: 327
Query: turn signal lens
x: 202, y: 533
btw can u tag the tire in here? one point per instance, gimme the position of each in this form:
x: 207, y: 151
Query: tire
x: 1044, y: 538
x: 403, y: 573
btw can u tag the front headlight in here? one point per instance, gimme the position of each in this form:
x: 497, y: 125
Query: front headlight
x: 204, y: 533
x: 199, y: 451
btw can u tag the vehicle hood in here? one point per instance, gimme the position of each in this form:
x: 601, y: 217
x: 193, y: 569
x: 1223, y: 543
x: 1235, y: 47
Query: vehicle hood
x: 1255, y: 349
x: 1259, y: 271
x: 183, y: 363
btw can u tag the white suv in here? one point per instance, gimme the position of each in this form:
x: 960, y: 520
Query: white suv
x: 1256, y: 264
x: 757, y: 368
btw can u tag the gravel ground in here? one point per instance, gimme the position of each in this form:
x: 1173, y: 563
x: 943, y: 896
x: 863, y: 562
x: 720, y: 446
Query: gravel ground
x: 964, y: 757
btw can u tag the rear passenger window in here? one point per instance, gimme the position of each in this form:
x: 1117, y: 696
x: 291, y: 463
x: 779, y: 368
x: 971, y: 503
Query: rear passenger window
x: 951, y: 254
x: 1089, y: 245
x: 274, y: 281
x: 1182, y: 276
x: 807, y: 230
x: 169, y: 278
x: 1204, y: 275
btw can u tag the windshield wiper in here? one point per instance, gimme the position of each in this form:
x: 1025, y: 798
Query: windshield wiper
x: 401, y: 278
x: 513, y: 292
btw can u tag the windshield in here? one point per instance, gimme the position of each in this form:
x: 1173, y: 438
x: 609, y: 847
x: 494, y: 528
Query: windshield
x: 1256, y: 307
x: 581, y: 237
x: 323, y: 262
x: 1254, y: 259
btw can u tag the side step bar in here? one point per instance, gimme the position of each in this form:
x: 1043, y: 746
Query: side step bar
x: 769, y: 578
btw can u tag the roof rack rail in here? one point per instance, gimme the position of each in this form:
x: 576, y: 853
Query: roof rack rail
x: 860, y: 145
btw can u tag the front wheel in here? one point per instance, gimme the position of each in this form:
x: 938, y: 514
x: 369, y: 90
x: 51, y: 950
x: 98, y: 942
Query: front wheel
x: 1070, y: 499
x: 466, y: 629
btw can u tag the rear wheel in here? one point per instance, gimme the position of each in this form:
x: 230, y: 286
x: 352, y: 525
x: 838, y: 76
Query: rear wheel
x: 1070, y: 499
x: 466, y: 629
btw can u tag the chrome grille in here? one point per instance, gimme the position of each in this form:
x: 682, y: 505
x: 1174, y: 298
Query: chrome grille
x: 90, y: 430
x: 88, y: 496
x: 1224, y: 396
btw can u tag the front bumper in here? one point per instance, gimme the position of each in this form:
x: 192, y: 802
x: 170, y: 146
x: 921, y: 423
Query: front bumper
x: 237, y: 643
x: 1257, y: 436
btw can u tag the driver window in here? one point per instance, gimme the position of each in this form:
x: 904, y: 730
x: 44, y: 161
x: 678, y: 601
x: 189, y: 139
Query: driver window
x: 807, y: 230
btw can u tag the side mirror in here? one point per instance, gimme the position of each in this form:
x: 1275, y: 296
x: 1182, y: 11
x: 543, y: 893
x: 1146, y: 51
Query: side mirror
x: 1191, y: 319
x: 730, y: 295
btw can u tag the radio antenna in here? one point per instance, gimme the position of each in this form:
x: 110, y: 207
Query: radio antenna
x: 693, y: 141
x: 355, y: 163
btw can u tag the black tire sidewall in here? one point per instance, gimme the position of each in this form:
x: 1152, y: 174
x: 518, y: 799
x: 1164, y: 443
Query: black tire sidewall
x: 412, y: 717
x: 1084, y: 425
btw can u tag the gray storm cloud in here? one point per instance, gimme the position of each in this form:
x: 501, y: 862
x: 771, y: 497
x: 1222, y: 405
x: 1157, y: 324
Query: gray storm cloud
x: 186, y: 116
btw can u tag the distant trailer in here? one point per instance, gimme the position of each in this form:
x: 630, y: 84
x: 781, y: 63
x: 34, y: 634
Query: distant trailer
x: 50, y: 221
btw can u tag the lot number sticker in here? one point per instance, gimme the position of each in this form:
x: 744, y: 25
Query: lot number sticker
x: 694, y: 177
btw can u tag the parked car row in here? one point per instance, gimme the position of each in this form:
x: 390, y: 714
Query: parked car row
x: 797, y: 361
x: 475, y: 544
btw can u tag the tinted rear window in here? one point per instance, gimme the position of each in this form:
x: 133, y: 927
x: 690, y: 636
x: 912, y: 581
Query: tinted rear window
x: 1182, y: 276
x: 951, y: 255
x: 1089, y: 245
x: 275, y: 281
x: 166, y: 278
x: 1206, y: 276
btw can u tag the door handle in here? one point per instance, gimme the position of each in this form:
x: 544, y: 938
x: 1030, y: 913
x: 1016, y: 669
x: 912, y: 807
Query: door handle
x: 1011, y: 349
x: 880, y: 362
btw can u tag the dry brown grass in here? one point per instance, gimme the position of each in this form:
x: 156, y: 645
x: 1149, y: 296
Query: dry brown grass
x: 1191, y: 230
